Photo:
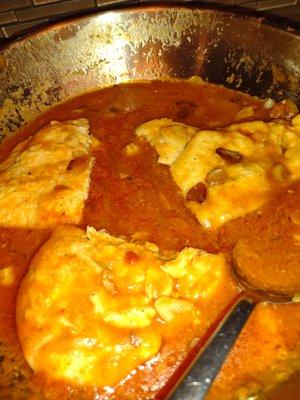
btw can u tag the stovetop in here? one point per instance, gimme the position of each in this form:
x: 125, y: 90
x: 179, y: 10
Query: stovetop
x: 20, y: 16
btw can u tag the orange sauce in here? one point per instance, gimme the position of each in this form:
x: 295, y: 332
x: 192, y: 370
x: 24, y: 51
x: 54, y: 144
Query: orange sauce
x: 145, y: 204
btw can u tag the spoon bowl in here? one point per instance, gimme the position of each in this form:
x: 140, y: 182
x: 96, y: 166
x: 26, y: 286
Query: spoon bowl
x: 197, y: 378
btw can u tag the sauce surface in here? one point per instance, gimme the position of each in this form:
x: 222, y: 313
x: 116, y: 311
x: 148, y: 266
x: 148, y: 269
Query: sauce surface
x: 139, y: 200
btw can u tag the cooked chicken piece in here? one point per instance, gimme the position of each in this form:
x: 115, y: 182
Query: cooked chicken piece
x: 45, y: 180
x: 94, y: 307
x: 225, y: 174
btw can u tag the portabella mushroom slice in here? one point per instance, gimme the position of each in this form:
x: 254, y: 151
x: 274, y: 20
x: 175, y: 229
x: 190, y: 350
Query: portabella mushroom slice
x: 224, y: 174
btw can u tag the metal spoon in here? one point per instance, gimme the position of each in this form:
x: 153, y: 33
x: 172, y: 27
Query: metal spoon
x: 196, y: 380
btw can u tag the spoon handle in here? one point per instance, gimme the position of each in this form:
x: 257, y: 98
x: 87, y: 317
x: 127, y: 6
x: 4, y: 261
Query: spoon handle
x: 197, y: 380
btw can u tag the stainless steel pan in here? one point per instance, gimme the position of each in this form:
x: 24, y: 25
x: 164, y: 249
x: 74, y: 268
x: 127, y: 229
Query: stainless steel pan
x: 76, y: 56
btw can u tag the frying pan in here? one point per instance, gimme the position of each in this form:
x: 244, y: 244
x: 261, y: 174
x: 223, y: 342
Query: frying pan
x: 145, y: 43
x: 67, y: 59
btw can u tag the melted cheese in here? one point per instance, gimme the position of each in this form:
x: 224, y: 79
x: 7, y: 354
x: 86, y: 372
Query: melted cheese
x: 94, y: 307
x: 270, y: 152
x: 45, y: 179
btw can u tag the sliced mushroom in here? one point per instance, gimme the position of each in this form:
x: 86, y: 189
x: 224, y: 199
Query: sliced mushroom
x: 197, y: 193
x: 268, y: 104
x: 246, y: 112
x: 229, y: 155
x: 78, y: 163
x: 216, y: 176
